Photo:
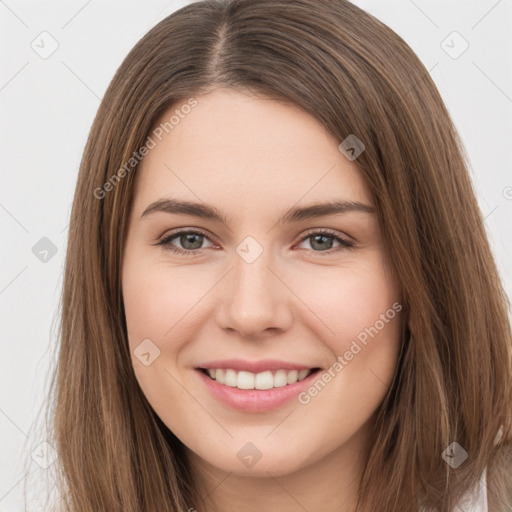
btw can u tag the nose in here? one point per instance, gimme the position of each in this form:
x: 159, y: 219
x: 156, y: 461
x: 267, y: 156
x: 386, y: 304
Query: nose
x: 256, y: 301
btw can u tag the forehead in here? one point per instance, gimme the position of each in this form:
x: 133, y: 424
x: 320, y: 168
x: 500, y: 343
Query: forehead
x: 238, y: 149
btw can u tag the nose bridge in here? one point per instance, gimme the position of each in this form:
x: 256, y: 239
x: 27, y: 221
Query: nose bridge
x: 254, y: 298
x: 253, y: 283
x: 251, y: 278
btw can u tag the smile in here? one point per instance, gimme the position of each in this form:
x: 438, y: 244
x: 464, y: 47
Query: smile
x: 255, y: 387
x: 263, y: 380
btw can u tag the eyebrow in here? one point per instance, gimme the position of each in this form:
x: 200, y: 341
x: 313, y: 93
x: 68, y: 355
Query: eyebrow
x: 294, y: 214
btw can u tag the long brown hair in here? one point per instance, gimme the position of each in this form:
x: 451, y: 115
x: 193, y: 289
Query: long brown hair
x: 356, y: 76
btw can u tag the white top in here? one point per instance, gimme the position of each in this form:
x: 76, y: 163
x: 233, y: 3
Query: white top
x: 476, y: 501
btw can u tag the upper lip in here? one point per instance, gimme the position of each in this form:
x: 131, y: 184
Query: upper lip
x: 254, y: 366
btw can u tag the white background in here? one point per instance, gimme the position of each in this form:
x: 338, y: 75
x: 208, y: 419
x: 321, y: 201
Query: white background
x: 46, y: 110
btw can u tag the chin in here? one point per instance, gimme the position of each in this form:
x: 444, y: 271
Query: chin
x: 262, y: 463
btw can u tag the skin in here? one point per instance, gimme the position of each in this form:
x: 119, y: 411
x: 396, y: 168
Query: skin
x: 253, y: 159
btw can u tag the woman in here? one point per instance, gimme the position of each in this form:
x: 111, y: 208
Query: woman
x: 211, y: 358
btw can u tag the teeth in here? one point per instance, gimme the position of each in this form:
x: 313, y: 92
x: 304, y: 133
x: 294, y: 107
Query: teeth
x: 280, y: 379
x: 303, y: 374
x: 230, y: 378
x: 292, y: 377
x: 263, y: 380
x: 245, y: 380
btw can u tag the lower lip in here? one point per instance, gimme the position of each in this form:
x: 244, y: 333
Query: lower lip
x: 255, y: 400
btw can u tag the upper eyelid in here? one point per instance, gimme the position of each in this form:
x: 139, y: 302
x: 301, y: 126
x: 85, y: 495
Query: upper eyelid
x: 180, y: 231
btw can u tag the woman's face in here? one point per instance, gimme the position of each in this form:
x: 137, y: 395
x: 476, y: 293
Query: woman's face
x: 269, y: 290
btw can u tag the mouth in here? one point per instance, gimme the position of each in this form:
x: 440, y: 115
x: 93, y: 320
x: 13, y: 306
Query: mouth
x: 250, y: 392
x: 268, y: 379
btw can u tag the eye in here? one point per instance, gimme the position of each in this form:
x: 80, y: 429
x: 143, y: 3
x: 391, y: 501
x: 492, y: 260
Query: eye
x: 191, y: 242
x: 322, y: 240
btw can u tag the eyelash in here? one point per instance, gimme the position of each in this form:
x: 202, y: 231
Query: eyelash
x: 165, y: 242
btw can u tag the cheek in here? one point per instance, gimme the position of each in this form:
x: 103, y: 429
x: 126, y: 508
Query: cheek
x: 350, y: 302
x: 158, y: 302
x: 360, y: 312
x: 157, y: 298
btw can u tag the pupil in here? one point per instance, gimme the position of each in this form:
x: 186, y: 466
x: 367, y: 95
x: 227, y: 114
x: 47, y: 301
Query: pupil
x: 190, y: 238
x: 323, y: 238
